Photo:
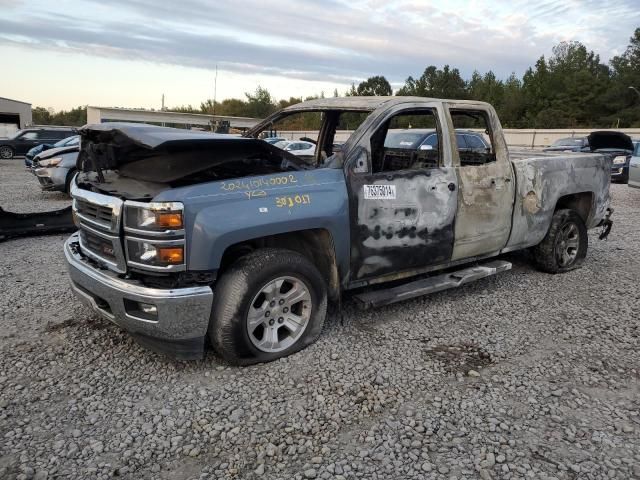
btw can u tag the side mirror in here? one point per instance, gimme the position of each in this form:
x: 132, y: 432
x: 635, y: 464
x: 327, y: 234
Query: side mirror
x: 426, y: 147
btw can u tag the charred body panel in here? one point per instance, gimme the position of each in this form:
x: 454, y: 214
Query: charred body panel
x: 485, y: 193
x: 543, y: 180
x: 411, y: 227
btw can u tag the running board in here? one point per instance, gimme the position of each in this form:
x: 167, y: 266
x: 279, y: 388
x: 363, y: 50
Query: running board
x: 433, y: 284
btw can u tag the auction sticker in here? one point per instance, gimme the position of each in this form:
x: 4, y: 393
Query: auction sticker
x: 379, y: 192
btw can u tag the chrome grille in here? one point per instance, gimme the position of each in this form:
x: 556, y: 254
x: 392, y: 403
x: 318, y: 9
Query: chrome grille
x: 98, y: 245
x: 99, y: 224
x: 93, y: 213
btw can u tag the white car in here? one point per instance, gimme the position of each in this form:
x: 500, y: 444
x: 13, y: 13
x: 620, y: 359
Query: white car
x: 634, y: 167
x: 300, y: 148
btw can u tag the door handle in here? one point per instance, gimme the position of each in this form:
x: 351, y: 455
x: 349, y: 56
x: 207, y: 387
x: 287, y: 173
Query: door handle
x: 452, y: 186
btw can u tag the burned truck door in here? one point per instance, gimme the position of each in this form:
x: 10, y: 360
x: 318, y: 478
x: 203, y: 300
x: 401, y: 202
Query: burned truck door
x: 486, y: 179
x: 402, y: 198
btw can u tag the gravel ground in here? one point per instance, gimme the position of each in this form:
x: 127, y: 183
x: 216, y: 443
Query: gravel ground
x: 524, y: 375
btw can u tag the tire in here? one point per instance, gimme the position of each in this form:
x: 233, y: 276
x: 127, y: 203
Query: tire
x: 255, y: 288
x: 565, y: 245
x: 6, y: 152
x: 67, y: 183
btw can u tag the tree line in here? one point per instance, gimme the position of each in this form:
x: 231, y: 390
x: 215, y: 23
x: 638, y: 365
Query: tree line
x: 572, y: 88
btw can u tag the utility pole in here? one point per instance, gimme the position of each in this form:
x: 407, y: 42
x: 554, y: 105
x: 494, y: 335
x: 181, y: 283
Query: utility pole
x: 635, y: 90
x: 162, y: 108
x: 215, y: 89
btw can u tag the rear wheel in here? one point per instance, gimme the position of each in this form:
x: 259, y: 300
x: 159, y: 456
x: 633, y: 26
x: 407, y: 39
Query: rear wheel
x: 6, y: 152
x: 269, y: 304
x: 565, y: 245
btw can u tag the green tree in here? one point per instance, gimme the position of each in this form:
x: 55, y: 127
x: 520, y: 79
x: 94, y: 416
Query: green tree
x: 623, y: 102
x: 445, y: 83
x: 260, y: 104
x: 41, y: 116
x: 375, y: 86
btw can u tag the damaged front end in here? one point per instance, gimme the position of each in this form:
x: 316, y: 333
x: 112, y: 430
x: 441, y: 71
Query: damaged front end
x: 137, y: 161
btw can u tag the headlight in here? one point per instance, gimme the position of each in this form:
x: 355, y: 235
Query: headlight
x: 153, y: 216
x: 619, y: 160
x: 51, y: 162
x: 155, y: 255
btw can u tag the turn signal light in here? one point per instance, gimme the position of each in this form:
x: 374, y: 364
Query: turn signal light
x: 169, y: 220
x: 171, y: 255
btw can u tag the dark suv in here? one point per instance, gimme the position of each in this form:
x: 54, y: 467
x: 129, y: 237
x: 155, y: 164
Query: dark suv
x: 24, y: 140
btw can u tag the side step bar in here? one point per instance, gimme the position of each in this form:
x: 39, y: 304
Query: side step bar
x: 433, y: 284
x: 39, y: 223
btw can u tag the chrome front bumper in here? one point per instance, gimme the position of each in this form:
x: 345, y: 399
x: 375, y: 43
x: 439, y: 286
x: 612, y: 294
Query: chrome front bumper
x: 180, y: 326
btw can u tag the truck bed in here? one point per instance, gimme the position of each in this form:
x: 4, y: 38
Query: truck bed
x: 545, y: 178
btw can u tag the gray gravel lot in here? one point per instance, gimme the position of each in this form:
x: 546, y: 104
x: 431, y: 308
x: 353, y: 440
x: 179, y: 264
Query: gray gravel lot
x: 524, y: 375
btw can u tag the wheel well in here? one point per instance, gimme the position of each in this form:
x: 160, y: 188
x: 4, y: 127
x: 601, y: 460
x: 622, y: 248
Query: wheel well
x: 315, y: 244
x: 67, y: 181
x: 582, y: 203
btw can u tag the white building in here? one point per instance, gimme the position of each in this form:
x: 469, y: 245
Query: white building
x: 14, y: 115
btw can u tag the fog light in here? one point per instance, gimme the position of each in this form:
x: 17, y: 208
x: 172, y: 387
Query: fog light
x: 141, y: 310
x: 149, y: 309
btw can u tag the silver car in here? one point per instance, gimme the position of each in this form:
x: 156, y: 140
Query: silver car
x: 55, y: 168
x: 634, y: 166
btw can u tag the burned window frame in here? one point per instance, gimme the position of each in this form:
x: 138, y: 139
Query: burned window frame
x: 458, y: 111
x: 384, y: 126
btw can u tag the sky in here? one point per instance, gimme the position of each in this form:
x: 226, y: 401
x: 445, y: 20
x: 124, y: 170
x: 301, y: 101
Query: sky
x: 128, y: 53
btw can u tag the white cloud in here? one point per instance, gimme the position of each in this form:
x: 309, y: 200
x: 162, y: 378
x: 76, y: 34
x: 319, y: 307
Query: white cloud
x: 330, y: 41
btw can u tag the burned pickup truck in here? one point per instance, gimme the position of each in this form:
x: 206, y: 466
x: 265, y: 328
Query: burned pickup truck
x: 187, y: 236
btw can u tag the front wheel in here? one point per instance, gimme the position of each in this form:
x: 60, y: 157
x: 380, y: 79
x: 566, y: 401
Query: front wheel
x: 6, y: 152
x: 269, y: 304
x: 565, y: 245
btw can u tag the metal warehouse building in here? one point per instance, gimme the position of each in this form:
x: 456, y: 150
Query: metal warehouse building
x: 14, y: 115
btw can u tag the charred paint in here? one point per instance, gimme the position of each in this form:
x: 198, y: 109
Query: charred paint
x: 414, y: 229
x: 545, y: 180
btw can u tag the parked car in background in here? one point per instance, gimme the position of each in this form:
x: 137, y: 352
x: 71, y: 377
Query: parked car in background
x: 569, y: 144
x: 274, y: 140
x: 421, y: 139
x: 56, y: 167
x: 65, y: 142
x: 24, y: 140
x: 300, y: 148
x: 617, y: 146
x: 634, y: 166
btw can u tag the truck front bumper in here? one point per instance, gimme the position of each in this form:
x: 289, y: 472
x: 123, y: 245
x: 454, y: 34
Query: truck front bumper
x: 169, y: 321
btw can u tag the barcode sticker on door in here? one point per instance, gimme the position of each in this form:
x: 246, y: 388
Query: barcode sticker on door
x: 379, y: 192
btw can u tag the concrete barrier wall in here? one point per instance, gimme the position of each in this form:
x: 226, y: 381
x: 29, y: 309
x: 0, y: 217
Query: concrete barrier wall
x: 532, y: 138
